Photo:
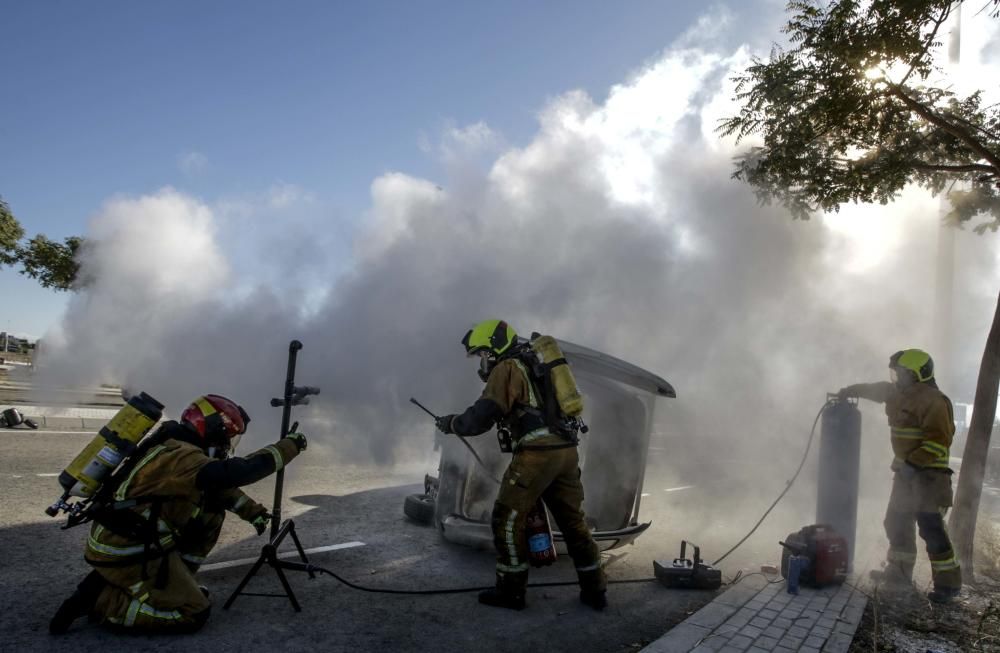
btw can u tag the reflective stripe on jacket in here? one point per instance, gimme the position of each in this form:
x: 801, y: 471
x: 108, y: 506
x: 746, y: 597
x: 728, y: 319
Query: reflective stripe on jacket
x: 921, y: 420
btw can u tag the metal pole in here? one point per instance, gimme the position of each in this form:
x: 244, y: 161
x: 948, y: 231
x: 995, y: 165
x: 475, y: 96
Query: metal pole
x: 944, y: 322
x: 286, y: 416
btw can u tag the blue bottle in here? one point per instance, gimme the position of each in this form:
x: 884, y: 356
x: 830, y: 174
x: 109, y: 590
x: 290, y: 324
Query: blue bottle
x: 796, y: 565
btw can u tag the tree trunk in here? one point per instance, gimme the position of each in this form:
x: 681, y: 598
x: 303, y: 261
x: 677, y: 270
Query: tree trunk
x: 977, y: 446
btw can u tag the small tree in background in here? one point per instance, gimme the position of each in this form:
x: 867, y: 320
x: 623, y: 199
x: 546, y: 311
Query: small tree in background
x: 11, y: 233
x: 849, y: 114
x: 52, y: 264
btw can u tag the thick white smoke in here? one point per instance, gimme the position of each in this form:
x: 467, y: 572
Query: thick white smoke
x: 617, y: 226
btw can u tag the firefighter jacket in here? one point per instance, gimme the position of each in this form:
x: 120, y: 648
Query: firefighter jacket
x: 921, y: 418
x: 511, y: 398
x: 165, y: 493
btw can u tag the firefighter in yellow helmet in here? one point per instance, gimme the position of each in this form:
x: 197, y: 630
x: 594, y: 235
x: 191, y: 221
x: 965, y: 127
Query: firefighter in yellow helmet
x: 168, y: 504
x: 545, y: 464
x: 922, y: 422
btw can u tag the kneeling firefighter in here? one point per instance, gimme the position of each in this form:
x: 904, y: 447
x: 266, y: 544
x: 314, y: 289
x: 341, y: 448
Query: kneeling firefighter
x: 161, y: 516
x: 922, y: 422
x: 545, y: 462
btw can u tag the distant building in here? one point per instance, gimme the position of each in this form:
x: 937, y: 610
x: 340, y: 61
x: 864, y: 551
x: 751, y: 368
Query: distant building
x: 9, y: 343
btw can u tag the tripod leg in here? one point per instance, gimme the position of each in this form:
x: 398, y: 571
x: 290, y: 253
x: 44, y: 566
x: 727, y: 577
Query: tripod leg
x: 298, y: 545
x: 284, y: 583
x: 246, y: 579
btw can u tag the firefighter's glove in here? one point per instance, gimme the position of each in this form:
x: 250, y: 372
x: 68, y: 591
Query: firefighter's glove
x: 260, y: 522
x: 444, y: 423
x: 299, y: 439
x: 908, y: 471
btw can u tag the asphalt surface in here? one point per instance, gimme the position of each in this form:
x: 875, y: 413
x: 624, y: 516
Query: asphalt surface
x: 334, y: 504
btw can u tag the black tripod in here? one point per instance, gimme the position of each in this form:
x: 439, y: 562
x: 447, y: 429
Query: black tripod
x: 294, y: 396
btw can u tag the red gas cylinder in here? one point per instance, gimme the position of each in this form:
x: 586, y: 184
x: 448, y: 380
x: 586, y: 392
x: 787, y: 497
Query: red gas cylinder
x: 541, y: 546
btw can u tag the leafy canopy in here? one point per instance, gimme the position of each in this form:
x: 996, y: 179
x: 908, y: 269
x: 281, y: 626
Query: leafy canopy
x: 850, y: 114
x: 52, y: 264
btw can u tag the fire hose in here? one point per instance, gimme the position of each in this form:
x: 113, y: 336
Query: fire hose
x: 788, y: 486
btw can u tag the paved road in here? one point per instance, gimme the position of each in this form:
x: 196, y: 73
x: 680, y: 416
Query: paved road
x: 335, y: 504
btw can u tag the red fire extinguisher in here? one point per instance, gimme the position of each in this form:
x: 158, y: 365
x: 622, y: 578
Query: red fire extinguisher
x: 541, y: 546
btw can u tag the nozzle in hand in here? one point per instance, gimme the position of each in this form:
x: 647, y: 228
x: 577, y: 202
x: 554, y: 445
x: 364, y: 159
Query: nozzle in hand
x: 423, y: 408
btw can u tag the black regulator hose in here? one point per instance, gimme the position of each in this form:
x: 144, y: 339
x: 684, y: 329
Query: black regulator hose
x: 455, y: 590
x: 478, y: 460
x: 812, y: 435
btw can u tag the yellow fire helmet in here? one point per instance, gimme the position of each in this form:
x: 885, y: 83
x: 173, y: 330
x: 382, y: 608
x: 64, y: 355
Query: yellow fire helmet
x: 492, y: 336
x: 917, y: 361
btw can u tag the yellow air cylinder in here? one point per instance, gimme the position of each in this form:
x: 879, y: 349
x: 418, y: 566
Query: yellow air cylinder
x: 84, y: 475
x: 567, y: 392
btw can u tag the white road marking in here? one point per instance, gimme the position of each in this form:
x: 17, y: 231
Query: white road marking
x: 287, y: 554
x: 678, y: 489
x: 39, y: 431
x: 645, y: 494
x: 46, y: 474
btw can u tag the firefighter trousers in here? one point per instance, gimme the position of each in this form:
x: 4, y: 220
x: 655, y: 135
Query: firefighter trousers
x: 553, y: 475
x: 920, y: 502
x: 134, y: 600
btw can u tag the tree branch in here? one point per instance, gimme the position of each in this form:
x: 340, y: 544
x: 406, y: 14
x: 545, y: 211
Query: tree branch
x: 970, y: 167
x: 961, y: 134
x: 930, y: 39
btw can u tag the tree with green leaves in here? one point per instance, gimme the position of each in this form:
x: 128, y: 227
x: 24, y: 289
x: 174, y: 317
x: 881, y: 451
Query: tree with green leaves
x: 11, y: 233
x: 855, y: 110
x: 52, y: 264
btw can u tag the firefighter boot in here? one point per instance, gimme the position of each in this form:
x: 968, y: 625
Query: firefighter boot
x: 593, y: 588
x: 893, y: 578
x: 943, y: 594
x: 78, y: 605
x: 509, y: 592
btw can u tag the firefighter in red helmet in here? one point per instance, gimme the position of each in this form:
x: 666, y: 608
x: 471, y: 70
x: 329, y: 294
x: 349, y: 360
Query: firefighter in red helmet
x: 165, y: 517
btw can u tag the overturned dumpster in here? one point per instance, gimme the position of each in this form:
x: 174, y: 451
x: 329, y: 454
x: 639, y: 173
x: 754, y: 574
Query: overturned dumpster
x: 619, y: 404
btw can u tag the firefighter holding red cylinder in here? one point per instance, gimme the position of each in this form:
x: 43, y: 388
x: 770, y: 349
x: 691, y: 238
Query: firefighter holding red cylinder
x: 158, y: 516
x: 922, y: 422
x: 541, y: 431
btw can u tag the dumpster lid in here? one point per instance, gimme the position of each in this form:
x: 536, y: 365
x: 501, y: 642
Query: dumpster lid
x: 591, y: 361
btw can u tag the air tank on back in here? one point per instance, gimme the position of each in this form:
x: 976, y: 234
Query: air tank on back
x: 839, y: 467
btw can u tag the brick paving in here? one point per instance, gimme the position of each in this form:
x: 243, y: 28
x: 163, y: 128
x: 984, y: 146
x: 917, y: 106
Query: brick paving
x: 757, y: 616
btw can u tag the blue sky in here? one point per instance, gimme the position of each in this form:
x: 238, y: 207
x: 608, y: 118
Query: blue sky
x: 224, y: 99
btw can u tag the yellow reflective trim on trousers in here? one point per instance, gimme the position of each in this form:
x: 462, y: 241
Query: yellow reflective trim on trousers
x: 124, y: 551
x: 137, y: 607
x: 508, y: 536
x: 133, y: 610
x: 901, y: 556
x: 593, y: 567
x: 279, y: 463
x: 512, y: 568
x: 944, y: 565
x: 120, y: 494
x: 193, y: 558
x: 239, y: 503
x: 150, y: 611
